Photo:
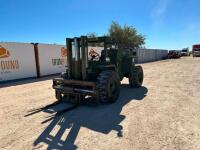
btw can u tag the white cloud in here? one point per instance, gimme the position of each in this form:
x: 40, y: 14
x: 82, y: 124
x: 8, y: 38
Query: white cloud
x: 192, y: 31
x: 159, y: 10
x: 193, y: 27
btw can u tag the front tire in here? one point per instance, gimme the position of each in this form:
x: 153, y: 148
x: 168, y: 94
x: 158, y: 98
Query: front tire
x: 136, y: 77
x: 108, y: 87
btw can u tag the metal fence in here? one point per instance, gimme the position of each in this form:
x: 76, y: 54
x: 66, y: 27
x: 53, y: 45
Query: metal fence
x: 149, y: 55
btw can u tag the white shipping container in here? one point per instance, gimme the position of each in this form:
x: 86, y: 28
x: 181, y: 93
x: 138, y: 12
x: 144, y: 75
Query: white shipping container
x: 17, y: 60
x: 148, y: 55
x: 52, y: 59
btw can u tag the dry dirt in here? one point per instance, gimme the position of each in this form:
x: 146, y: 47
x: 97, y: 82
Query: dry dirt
x: 163, y: 114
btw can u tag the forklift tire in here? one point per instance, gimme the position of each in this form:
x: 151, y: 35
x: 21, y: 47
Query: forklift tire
x: 136, y: 77
x: 58, y: 95
x: 108, y: 87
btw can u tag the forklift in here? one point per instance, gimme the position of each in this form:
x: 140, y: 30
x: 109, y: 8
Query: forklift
x: 96, y: 75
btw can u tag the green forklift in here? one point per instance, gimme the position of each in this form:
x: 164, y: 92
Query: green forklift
x: 96, y: 75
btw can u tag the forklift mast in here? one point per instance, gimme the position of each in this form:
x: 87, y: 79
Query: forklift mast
x: 77, y: 50
x: 77, y: 55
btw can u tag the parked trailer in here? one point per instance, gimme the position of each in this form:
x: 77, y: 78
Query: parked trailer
x: 196, y: 50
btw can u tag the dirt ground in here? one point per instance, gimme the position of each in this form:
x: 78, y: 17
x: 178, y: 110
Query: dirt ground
x: 163, y: 114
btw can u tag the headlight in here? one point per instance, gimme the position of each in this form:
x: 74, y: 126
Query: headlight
x: 133, y: 60
x: 107, y: 59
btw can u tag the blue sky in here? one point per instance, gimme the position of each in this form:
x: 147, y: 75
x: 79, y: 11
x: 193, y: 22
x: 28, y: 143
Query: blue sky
x: 167, y: 24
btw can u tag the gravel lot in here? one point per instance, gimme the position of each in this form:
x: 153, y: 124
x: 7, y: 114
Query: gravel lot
x: 163, y: 114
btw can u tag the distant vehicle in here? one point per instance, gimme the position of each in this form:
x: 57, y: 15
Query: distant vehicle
x: 196, y: 50
x: 185, y: 52
x: 174, y: 54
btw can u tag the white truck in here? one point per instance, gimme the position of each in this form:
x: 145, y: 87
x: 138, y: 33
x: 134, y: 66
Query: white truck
x: 185, y: 52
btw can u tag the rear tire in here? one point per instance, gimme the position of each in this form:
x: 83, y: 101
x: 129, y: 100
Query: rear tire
x: 108, y: 87
x: 136, y: 77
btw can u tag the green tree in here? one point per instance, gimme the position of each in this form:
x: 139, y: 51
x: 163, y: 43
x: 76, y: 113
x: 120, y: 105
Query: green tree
x: 92, y: 35
x: 125, y: 36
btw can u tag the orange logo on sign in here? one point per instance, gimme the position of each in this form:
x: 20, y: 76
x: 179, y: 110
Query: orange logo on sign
x: 7, y: 65
x: 63, y: 52
x: 3, y: 52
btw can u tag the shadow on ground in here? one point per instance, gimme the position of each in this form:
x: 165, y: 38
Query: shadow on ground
x: 103, y: 119
x: 25, y: 81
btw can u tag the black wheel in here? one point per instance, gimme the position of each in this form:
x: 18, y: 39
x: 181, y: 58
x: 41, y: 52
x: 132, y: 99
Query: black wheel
x: 136, y: 77
x: 108, y: 87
